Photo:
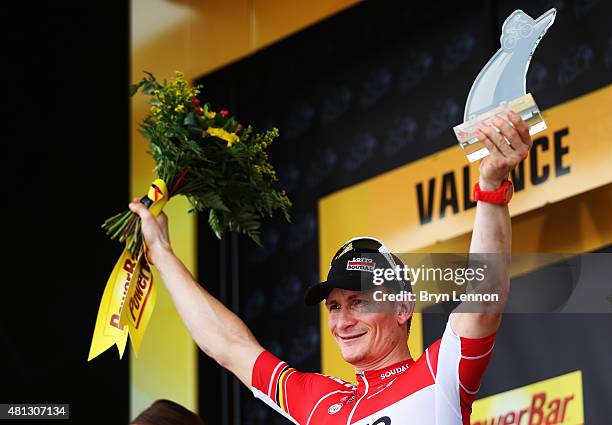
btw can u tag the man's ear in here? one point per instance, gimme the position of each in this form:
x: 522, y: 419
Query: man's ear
x: 405, y: 312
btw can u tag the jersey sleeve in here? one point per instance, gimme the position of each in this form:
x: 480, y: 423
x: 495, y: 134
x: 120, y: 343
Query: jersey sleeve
x: 458, y: 365
x: 289, y: 392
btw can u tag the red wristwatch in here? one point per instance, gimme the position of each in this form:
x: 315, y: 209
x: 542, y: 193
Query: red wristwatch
x: 501, y: 196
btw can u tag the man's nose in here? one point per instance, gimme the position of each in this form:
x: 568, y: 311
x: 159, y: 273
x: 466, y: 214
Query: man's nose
x: 345, y: 319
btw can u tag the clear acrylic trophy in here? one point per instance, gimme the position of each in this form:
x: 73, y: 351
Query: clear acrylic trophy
x: 501, y: 84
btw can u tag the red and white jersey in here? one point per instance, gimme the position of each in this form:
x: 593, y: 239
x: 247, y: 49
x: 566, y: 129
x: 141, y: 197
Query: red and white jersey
x: 438, y: 388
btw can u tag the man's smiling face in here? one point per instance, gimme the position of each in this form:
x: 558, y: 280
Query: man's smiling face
x: 364, y: 330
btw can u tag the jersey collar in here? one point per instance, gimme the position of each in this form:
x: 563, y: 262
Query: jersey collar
x: 384, y: 375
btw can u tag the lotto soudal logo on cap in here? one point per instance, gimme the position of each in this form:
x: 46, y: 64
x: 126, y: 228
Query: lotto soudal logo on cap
x: 361, y: 264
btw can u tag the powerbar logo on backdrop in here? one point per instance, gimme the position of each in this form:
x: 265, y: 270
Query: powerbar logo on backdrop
x: 361, y: 264
x: 553, y: 401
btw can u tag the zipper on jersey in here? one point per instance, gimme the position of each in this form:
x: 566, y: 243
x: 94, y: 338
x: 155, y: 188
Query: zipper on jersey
x: 348, y: 421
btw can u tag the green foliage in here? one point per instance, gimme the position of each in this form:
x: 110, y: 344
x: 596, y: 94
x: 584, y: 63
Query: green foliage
x: 207, y: 156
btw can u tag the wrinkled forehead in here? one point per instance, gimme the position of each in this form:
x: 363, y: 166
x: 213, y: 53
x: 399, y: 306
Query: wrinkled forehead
x: 339, y: 295
x: 345, y: 296
x: 377, y: 301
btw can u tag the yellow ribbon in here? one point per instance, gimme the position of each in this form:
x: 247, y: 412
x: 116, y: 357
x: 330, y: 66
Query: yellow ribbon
x: 130, y: 293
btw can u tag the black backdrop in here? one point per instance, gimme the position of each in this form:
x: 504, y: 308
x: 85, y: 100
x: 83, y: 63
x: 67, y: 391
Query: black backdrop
x: 65, y: 164
x: 365, y: 91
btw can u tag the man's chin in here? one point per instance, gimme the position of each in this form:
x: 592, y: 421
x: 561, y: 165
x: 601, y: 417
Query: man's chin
x: 351, y: 355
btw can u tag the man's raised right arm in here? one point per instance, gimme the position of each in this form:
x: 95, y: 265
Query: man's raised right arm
x: 218, y: 331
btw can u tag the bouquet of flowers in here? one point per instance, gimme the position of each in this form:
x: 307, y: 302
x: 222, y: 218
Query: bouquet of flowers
x: 220, y: 165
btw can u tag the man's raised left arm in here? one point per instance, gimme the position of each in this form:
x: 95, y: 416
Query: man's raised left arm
x: 508, y: 142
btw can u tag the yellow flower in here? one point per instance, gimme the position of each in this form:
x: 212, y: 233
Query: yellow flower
x: 230, y: 138
x: 179, y: 108
x: 211, y: 114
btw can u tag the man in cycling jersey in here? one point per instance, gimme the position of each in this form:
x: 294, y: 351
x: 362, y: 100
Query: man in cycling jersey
x: 391, y: 388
